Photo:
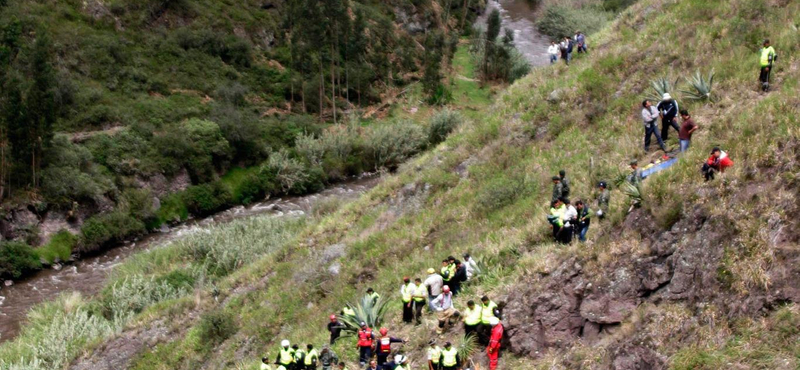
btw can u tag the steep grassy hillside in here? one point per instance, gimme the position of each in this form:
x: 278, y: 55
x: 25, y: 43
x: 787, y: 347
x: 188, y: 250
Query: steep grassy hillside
x: 703, y: 276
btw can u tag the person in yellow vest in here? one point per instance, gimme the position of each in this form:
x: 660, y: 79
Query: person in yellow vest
x: 299, y: 357
x: 375, y: 296
x: 347, y: 311
x: 310, y: 361
x: 445, y: 271
x: 342, y: 366
x: 472, y: 319
x: 766, y: 59
x: 407, y: 294
x: 265, y: 363
x: 402, y: 363
x: 450, y: 360
x: 420, y: 298
x: 286, y: 355
x: 434, y: 356
x: 488, y: 311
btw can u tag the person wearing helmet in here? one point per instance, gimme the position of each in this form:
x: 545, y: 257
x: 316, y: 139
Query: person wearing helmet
x: 384, y: 347
x: 402, y: 362
x: 286, y: 355
x: 603, y: 198
x: 668, y: 110
x: 450, y: 360
x: 434, y: 355
x: 328, y: 358
x: 365, y: 343
x: 407, y: 294
x: 443, y: 306
x: 493, y: 349
x: 335, y: 328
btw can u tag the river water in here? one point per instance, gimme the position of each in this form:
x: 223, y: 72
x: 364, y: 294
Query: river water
x: 519, y: 16
x: 89, y: 275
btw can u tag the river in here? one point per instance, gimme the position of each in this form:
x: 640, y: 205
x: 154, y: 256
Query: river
x: 519, y: 16
x: 88, y: 275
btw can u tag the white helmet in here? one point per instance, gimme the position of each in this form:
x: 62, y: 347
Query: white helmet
x: 285, y: 343
x: 494, y: 321
x: 399, y: 359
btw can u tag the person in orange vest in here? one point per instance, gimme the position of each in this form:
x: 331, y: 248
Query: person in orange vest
x: 365, y: 344
x: 384, y: 347
x: 493, y: 350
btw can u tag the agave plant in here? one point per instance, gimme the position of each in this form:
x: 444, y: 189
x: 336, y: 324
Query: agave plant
x: 701, y: 85
x: 632, y: 191
x: 661, y: 85
x: 467, y: 347
x: 364, y: 311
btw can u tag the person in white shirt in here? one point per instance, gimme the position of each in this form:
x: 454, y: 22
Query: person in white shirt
x: 569, y: 218
x: 471, y: 265
x: 443, y: 306
x: 553, y: 52
x: 649, y: 118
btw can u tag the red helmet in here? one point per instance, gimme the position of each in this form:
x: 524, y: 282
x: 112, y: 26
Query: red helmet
x: 446, y: 289
x: 384, y: 331
x: 333, y: 317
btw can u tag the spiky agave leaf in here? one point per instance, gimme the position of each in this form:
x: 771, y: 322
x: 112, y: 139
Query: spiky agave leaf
x: 467, y: 347
x: 660, y: 86
x: 631, y: 191
x: 701, y: 85
x: 365, y: 311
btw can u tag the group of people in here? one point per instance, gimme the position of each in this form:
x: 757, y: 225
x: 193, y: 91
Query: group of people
x: 566, y: 47
x: 667, y: 110
x: 567, y: 220
x: 295, y: 358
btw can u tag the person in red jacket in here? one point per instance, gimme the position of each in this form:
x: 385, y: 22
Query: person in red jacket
x: 717, y: 162
x: 365, y: 344
x: 384, y: 347
x: 493, y: 350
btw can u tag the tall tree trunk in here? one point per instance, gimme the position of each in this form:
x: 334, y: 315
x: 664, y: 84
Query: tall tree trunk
x: 333, y: 84
x: 464, y: 15
x: 321, y: 88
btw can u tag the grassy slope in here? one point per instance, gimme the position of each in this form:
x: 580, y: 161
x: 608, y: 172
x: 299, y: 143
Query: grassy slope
x: 497, y: 210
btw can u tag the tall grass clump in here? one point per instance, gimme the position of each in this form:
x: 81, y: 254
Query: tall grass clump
x: 126, y: 298
x: 701, y: 87
x: 560, y: 21
x: 442, y: 124
x: 17, y: 258
x: 389, y: 145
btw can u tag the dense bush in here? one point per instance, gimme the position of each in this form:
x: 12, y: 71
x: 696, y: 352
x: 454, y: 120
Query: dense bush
x: 215, y: 327
x: 17, y: 258
x: 109, y: 227
x: 390, y: 144
x: 139, y: 204
x: 229, y: 48
x: 560, y: 21
x: 71, y: 175
x: 58, y: 248
x: 198, y: 145
x: 499, y: 193
x: 442, y: 124
x: 205, y: 199
x: 290, y: 173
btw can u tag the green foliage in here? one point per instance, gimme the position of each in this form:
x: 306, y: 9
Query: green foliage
x: 701, y: 86
x: 215, y: 327
x: 390, y: 144
x: 290, y: 174
x: 205, y: 199
x: 59, y: 248
x: 468, y: 346
x: 17, y: 258
x: 106, y: 228
x: 125, y: 298
x: 173, y: 209
x: 198, y: 144
x: 617, y: 6
x: 71, y: 175
x: 442, y: 124
x: 139, y: 204
x: 365, y: 311
x: 659, y: 87
x: 499, y: 193
x: 561, y: 21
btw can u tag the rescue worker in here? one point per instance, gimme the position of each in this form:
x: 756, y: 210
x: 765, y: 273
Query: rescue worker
x: 450, y: 360
x: 375, y: 296
x: 286, y: 355
x: 312, y: 357
x: 493, y: 349
x: 556, y: 216
x: 402, y: 363
x: 434, y: 283
x: 347, y: 311
x: 766, y: 59
x: 445, y: 271
x: 564, y: 183
x: 299, y: 357
x: 488, y: 311
x: 407, y: 294
x: 365, y: 343
x: 342, y: 366
x: 459, y: 277
x: 603, y: 198
x: 717, y: 162
x: 328, y: 358
x: 434, y: 355
x: 335, y: 328
x: 443, y: 306
x: 384, y: 348
x: 584, y: 218
x: 265, y: 363
x: 419, y: 299
x: 472, y: 319
x: 558, y: 188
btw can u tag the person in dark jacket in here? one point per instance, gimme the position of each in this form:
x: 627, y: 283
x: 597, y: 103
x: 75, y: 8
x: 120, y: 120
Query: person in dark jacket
x: 459, y: 278
x: 668, y: 110
x: 564, y: 183
x: 558, y: 189
x: 335, y: 328
x: 582, y: 224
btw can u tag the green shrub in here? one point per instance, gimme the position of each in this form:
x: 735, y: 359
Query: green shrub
x: 289, y: 172
x: 215, y: 327
x: 71, y: 175
x: 617, y: 6
x: 196, y: 144
x: 560, y: 21
x: 107, y: 228
x: 139, y: 204
x: 17, y: 258
x: 173, y: 209
x: 205, y: 199
x: 389, y: 145
x: 499, y: 193
x: 59, y: 248
x: 123, y: 299
x: 178, y: 279
x: 442, y: 124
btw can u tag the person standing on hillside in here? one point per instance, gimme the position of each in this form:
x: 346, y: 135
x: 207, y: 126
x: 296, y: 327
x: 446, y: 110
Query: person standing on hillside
x: 562, y: 47
x: 564, y: 183
x: 375, y: 296
x: 493, y: 349
x: 687, y: 128
x: 335, y: 328
x: 584, y: 216
x: 556, y: 216
x: 420, y: 299
x: 286, y: 355
x: 569, y: 219
x: 553, y: 51
x: 570, y: 48
x: 471, y: 265
x: 450, y: 360
x: 434, y: 355
x: 635, y: 177
x: 580, y: 39
x: 489, y: 310
x: 558, y: 189
x: 443, y: 306
x: 766, y: 59
x: 472, y: 319
x: 385, y: 346
x: 603, y: 198
x: 434, y: 283
x: 328, y: 358
x: 668, y: 109
x: 649, y: 117
x: 311, y: 359
x: 459, y: 278
x: 265, y: 363
x: 365, y: 343
x: 406, y: 294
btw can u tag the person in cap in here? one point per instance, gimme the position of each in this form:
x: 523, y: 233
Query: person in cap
x: 668, y: 109
x: 603, y: 199
x: 493, y: 349
x: 450, y: 360
x: 407, y: 294
x: 285, y: 355
x: 328, y: 358
x: 650, y: 117
x: 433, y: 283
x: 366, y: 340
x: 766, y: 59
x: 558, y: 188
x: 335, y: 328
x: 434, y: 355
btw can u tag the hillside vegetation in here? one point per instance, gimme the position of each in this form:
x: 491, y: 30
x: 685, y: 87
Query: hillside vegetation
x: 704, y: 275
